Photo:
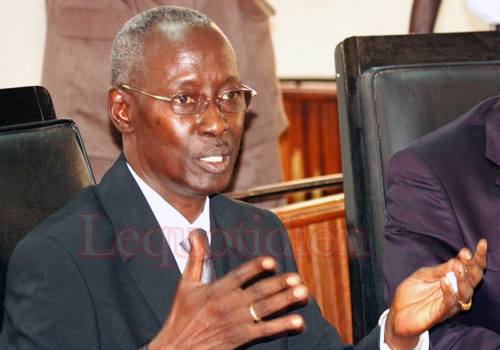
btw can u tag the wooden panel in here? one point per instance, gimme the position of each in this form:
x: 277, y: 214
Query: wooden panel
x: 311, y: 145
x: 318, y: 235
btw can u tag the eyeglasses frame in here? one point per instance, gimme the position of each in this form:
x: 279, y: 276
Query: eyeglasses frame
x: 208, y: 99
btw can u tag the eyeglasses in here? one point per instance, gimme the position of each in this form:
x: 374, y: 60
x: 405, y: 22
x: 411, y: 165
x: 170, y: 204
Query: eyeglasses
x: 230, y: 101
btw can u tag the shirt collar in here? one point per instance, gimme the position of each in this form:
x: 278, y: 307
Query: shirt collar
x: 175, y: 226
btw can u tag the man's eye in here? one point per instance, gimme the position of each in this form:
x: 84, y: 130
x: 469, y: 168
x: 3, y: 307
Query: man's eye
x: 183, y: 99
x: 230, y: 95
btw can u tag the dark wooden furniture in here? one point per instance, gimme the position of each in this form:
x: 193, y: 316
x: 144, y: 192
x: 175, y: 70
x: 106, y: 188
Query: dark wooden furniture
x: 311, y: 144
x: 317, y: 231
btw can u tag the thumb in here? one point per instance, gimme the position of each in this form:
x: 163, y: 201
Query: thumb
x: 194, y: 264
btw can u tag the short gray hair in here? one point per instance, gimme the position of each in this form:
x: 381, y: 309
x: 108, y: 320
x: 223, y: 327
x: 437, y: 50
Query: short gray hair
x: 127, y: 52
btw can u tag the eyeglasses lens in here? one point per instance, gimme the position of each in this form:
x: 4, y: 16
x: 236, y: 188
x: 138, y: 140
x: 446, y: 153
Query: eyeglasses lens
x: 236, y: 101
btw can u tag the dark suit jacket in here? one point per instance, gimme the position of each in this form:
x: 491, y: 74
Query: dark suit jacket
x: 444, y: 193
x: 98, y: 274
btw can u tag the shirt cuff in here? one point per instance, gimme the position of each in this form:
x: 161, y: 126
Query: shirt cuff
x: 423, y: 341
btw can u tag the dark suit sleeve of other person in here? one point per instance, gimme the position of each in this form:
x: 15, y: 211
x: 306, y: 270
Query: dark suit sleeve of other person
x: 442, y: 196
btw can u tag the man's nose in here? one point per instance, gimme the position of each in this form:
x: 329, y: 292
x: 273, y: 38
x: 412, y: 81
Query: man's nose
x: 213, y: 120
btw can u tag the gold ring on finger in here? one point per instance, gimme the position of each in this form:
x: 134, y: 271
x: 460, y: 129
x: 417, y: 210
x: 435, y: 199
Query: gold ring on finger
x: 256, y: 318
x: 465, y: 306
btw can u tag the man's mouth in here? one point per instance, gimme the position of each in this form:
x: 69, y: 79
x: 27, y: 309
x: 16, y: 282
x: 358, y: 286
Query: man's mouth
x: 212, y: 159
x: 216, y: 164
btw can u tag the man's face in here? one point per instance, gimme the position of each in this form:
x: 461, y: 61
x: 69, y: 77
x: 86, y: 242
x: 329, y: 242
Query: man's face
x: 185, y: 155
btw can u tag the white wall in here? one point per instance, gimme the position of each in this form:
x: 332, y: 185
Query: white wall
x: 305, y: 32
x: 22, y: 39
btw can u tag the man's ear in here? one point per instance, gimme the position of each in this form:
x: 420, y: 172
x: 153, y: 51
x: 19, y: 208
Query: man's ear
x: 118, y: 110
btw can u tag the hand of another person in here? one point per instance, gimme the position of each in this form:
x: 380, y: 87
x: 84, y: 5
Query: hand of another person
x: 218, y: 315
x: 427, y: 297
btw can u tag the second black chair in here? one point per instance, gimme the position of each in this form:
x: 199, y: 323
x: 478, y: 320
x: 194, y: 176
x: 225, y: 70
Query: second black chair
x: 391, y: 91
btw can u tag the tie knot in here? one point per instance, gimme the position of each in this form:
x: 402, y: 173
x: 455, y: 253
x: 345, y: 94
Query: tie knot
x: 208, y: 271
x: 201, y: 235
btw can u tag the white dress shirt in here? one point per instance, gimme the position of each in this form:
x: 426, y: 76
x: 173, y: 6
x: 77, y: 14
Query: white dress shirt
x: 175, y: 227
x: 423, y: 342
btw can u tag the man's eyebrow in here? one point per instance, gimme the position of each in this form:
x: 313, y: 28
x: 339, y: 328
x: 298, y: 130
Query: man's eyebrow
x: 179, y: 84
x: 233, y: 79
x: 191, y: 84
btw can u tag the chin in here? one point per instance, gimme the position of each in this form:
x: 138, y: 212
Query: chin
x: 218, y: 185
x: 211, y: 186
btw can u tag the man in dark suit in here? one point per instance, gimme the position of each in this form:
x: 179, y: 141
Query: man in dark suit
x: 105, y: 271
x: 442, y: 194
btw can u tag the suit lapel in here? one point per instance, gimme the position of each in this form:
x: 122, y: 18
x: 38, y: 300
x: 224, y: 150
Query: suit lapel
x: 153, y: 268
x: 229, y: 248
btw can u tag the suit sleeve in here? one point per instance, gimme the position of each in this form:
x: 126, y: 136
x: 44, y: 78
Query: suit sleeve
x: 422, y: 229
x: 318, y: 333
x: 40, y: 278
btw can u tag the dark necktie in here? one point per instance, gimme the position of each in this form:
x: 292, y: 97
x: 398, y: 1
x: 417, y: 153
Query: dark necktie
x: 208, y: 271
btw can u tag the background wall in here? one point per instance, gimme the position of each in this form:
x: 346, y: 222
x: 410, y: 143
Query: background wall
x: 305, y: 33
x: 22, y: 39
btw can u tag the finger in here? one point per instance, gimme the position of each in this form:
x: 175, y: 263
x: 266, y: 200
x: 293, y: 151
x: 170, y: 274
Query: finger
x: 244, y: 273
x: 290, y: 298
x: 272, y: 285
x: 472, y: 269
x: 194, y: 264
x: 465, y: 289
x: 285, y: 324
x: 474, y: 264
x: 481, y: 253
x: 449, y: 304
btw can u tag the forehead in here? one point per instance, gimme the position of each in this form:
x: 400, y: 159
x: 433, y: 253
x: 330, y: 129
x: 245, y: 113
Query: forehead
x: 182, y: 52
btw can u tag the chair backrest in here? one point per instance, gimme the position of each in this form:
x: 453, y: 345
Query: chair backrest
x: 43, y: 166
x: 393, y: 90
x: 25, y: 105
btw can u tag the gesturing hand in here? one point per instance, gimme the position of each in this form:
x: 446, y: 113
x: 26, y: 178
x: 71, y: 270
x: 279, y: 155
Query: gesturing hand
x: 218, y: 316
x: 427, y: 297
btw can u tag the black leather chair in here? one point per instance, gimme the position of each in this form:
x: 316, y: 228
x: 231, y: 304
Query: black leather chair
x: 43, y: 165
x: 391, y: 91
x: 24, y: 105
